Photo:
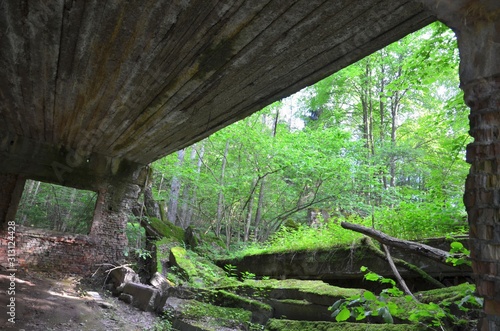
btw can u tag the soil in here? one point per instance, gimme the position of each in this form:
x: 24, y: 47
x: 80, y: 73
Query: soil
x: 63, y: 303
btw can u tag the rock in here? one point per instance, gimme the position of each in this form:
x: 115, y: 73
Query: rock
x: 145, y: 297
x: 121, y: 276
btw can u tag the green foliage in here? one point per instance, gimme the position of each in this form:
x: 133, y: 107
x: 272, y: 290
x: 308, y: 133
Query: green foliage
x: 388, y: 304
x: 135, y: 232
x: 55, y: 207
x: 142, y: 253
x: 162, y: 324
x: 246, y: 275
x: 231, y: 270
x: 305, y: 238
x: 418, y: 220
x: 460, y: 254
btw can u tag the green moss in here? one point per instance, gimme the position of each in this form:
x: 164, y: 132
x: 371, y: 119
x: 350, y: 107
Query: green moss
x: 288, y: 325
x: 181, y: 259
x: 295, y: 302
x: 229, y: 299
x: 305, y: 286
x: 197, y: 270
x: 167, y: 229
x: 163, y: 247
x: 451, y: 293
x: 210, y: 317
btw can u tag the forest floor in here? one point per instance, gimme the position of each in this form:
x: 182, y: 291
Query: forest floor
x: 62, y: 303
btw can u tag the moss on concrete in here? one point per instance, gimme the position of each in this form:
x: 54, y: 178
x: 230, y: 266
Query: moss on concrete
x: 197, y: 270
x: 167, y: 229
x: 210, y: 317
x: 230, y: 299
x: 451, y: 293
x: 289, y: 325
x: 295, y: 302
x: 304, y: 286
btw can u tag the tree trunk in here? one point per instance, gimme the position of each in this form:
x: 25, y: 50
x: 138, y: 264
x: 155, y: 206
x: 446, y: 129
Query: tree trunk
x: 175, y: 190
x: 248, y: 222
x: 220, y: 202
x: 187, y: 191
x: 190, y: 213
x: 382, y: 111
x: 260, y: 206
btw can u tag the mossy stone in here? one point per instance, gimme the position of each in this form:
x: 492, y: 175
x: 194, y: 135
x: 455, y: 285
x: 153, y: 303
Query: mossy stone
x: 167, y: 229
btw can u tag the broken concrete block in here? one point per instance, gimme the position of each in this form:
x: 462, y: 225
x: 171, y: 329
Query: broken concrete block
x: 160, y: 282
x: 121, y: 276
x: 145, y: 297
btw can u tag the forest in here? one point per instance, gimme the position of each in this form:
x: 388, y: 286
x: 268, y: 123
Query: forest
x: 380, y: 143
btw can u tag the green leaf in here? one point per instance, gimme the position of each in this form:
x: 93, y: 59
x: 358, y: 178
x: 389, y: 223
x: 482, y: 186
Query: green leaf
x: 371, y: 276
x: 343, y: 315
x: 457, y: 245
x: 369, y: 296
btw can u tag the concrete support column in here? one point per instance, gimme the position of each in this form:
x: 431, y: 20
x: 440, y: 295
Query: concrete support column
x: 11, y: 190
x: 482, y: 193
x: 113, y: 208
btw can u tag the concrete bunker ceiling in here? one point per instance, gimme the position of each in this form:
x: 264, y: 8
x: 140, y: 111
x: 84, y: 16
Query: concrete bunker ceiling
x: 115, y: 80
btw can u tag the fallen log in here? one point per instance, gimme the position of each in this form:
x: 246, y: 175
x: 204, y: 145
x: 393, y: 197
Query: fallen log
x: 422, y: 249
x: 402, y: 263
x: 400, y: 279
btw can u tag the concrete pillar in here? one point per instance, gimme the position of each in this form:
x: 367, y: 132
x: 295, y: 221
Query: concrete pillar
x: 113, y: 208
x: 482, y: 193
x: 11, y: 190
x: 477, y: 27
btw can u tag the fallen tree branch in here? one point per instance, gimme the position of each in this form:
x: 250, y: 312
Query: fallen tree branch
x: 402, y: 263
x: 422, y: 249
x: 395, y: 271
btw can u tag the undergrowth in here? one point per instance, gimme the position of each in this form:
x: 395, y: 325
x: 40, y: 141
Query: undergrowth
x: 330, y: 234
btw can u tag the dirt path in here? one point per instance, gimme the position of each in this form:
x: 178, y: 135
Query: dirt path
x: 44, y: 302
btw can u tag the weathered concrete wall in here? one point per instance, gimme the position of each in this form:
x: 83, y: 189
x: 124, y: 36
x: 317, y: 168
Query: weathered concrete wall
x: 54, y: 251
x: 341, y: 265
x: 48, y: 250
